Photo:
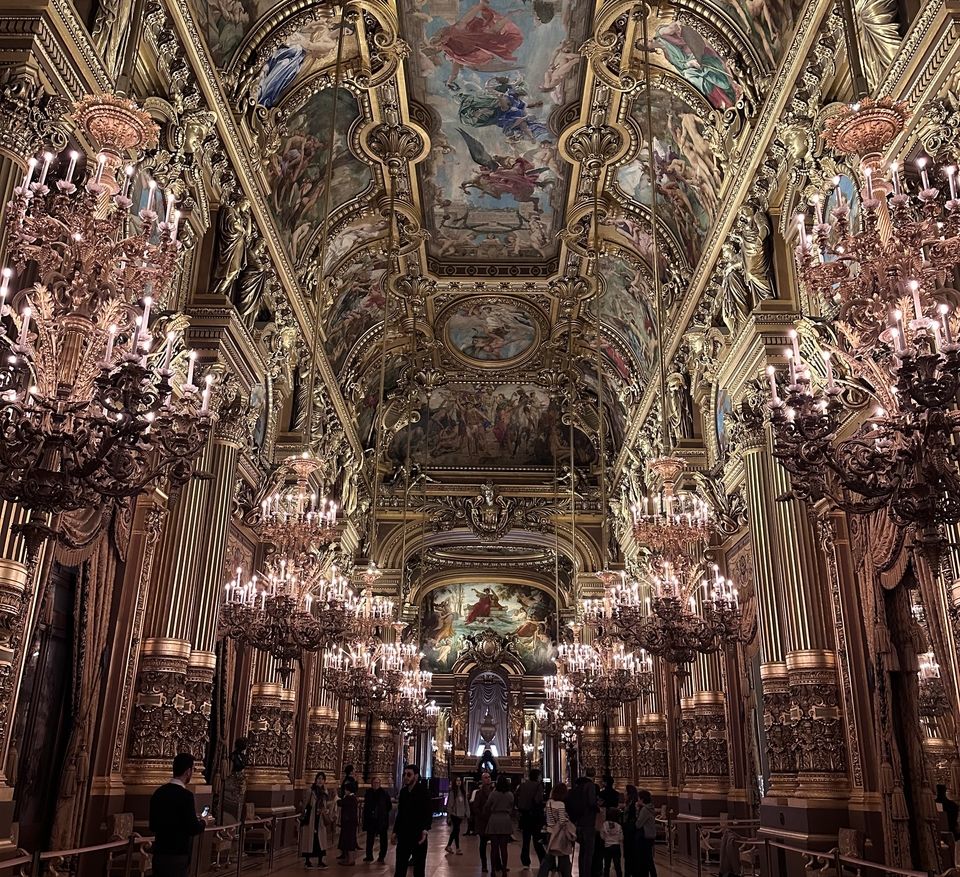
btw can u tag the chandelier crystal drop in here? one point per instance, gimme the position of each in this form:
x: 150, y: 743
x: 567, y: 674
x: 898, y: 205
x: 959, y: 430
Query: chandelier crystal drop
x: 884, y: 286
x: 89, y: 408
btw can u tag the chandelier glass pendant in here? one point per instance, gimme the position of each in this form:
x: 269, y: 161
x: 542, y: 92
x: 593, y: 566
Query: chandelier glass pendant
x: 287, y: 610
x: 89, y: 410
x: 887, y: 287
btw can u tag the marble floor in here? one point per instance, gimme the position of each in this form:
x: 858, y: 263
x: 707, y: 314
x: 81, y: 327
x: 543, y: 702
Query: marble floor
x: 441, y: 864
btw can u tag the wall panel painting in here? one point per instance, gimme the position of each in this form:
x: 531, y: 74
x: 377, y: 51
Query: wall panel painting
x: 492, y: 72
x: 627, y: 309
x: 357, y: 308
x: 451, y: 613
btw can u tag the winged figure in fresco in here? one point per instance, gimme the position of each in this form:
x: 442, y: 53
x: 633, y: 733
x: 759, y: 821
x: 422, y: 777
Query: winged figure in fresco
x: 499, y: 175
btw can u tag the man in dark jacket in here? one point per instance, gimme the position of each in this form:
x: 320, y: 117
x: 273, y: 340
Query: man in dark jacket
x: 583, y: 809
x: 414, y: 817
x: 174, y: 821
x: 376, y: 818
x: 530, y: 807
x: 478, y: 808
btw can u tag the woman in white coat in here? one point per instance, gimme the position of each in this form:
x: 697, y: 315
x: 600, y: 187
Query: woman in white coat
x: 315, y: 821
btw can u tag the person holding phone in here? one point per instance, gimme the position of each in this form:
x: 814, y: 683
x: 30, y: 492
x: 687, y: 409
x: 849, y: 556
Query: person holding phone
x: 174, y: 821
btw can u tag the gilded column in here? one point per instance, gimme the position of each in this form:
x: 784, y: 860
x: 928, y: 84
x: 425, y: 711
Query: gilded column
x: 23, y: 561
x: 322, y: 717
x: 651, y: 754
x: 270, y: 736
x: 751, y: 438
x: 815, y: 697
x: 705, y: 756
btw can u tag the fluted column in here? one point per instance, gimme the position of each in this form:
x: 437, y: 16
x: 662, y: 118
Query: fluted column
x: 778, y: 732
x: 173, y: 699
x: 706, y: 760
x: 322, y: 715
x: 815, y: 696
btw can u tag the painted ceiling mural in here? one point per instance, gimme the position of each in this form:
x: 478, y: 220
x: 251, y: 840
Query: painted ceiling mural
x: 297, y: 173
x: 451, y: 613
x: 491, y: 73
x: 471, y: 425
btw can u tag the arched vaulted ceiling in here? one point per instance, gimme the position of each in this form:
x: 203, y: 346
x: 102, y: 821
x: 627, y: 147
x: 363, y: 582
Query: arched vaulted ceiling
x: 496, y: 200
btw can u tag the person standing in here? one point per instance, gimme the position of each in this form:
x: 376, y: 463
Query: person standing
x: 630, y: 849
x: 478, y: 808
x: 376, y: 818
x: 349, y: 782
x: 174, y: 821
x: 557, y: 819
x: 349, y: 823
x: 314, y: 822
x: 414, y: 817
x: 611, y: 834
x: 530, y: 807
x: 499, y: 810
x: 583, y: 810
x: 456, y: 812
x: 646, y: 835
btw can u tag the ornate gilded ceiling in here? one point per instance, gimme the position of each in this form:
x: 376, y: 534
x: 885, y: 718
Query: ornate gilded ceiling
x: 502, y: 128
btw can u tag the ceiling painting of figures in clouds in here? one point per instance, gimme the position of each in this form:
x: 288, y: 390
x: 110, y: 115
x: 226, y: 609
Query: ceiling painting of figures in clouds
x: 491, y: 73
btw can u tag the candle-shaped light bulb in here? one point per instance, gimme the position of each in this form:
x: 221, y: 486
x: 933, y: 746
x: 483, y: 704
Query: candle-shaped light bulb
x: 152, y: 191
x: 828, y: 366
x: 868, y: 178
x: 5, y: 276
x: 795, y: 343
x: 952, y: 180
x: 895, y: 176
x: 922, y: 167
x: 944, y: 310
x: 792, y: 366
x: 802, y: 230
x: 74, y: 157
x: 24, y: 326
x: 192, y: 362
x: 898, y: 336
x: 818, y: 208
x: 839, y: 190
x: 171, y: 200
x: 772, y: 375
x: 145, y: 319
x: 205, y: 399
x: 101, y: 164
x: 176, y: 225
x: 128, y: 173
x: 111, y: 338
x: 915, y: 292
x: 28, y: 176
x: 168, y: 351
x: 47, y: 160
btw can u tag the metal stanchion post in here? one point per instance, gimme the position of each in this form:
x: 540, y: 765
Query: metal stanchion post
x: 766, y: 851
x: 273, y: 842
x: 35, y: 865
x: 128, y: 865
x: 837, y: 863
x: 240, y: 833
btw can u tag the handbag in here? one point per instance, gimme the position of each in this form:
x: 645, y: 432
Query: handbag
x: 563, y: 839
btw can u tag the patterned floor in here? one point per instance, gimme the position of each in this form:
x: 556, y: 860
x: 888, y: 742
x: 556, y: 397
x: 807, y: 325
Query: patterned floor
x: 441, y: 864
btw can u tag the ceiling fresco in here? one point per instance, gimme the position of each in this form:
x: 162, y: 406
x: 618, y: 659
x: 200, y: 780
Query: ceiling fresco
x: 470, y: 425
x: 491, y: 74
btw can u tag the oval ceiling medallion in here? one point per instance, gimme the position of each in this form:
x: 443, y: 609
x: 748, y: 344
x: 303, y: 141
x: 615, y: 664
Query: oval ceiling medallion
x: 492, y: 331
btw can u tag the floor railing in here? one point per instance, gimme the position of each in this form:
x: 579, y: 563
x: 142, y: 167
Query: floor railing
x: 129, y: 857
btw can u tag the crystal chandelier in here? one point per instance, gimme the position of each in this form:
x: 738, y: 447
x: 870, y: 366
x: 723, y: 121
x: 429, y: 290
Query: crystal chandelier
x: 292, y: 519
x: 287, y: 610
x: 406, y: 709
x: 89, y: 412
x: 369, y: 672
x: 882, y: 285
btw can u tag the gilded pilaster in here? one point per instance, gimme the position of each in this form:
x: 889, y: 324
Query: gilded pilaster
x: 753, y: 442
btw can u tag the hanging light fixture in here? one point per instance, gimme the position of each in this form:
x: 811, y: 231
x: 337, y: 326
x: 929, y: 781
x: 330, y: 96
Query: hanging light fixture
x: 287, y: 610
x: 292, y: 519
x: 882, y: 287
x: 89, y: 412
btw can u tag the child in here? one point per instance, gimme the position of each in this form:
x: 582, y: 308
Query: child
x: 612, y: 836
